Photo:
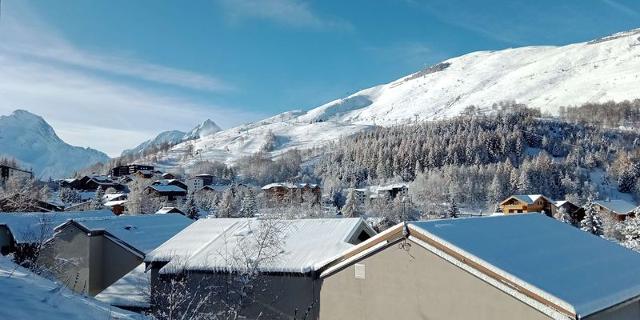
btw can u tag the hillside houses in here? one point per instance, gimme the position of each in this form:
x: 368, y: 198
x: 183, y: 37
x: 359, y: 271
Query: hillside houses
x: 91, y: 183
x: 88, y: 255
x: 618, y: 209
x: 130, y: 169
x: 369, y: 194
x: 7, y: 172
x: 167, y: 193
x: 524, y: 203
x: 278, y: 193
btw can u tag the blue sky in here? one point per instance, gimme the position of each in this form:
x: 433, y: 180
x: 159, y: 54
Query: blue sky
x: 127, y: 70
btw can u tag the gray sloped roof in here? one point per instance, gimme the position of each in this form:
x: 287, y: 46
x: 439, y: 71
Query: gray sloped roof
x: 562, y: 262
x: 143, y: 232
x: 620, y: 207
x: 30, y: 227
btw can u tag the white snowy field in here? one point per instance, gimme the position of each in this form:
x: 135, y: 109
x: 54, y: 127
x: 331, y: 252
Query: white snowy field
x: 28, y: 296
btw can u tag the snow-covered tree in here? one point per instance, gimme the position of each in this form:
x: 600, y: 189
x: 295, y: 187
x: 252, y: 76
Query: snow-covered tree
x: 564, y: 216
x: 226, y: 206
x: 190, y: 208
x: 69, y: 196
x: 248, y: 205
x: 351, y: 208
x: 592, y: 222
x: 629, y: 230
x: 452, y: 211
x: 97, y: 202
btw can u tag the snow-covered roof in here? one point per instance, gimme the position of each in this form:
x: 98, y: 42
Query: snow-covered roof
x: 560, y: 203
x: 112, y: 196
x: 165, y: 210
x: 567, y: 266
x: 142, y: 232
x: 289, y: 185
x: 528, y: 198
x: 190, y: 240
x: 167, y: 188
x: 30, y: 227
x: 29, y: 296
x: 131, y: 291
x: 308, y: 245
x: 620, y: 207
x: 392, y: 187
x: 115, y: 203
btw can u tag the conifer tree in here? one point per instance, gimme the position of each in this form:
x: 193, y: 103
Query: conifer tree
x: 350, y: 208
x: 592, y: 222
x: 97, y: 202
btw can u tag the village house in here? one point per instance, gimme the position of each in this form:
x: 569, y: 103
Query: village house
x: 118, y: 207
x: 210, y: 252
x: 366, y: 195
x: 21, y: 232
x: 168, y: 193
x: 170, y: 182
x: 7, y: 172
x: 458, y: 269
x: 525, y: 203
x: 199, y: 181
x: 129, y: 169
x: 278, y: 193
x: 165, y: 210
x: 88, y: 255
x: 13, y: 202
x: 576, y: 212
x: 618, y: 209
x: 168, y: 176
x: 91, y: 183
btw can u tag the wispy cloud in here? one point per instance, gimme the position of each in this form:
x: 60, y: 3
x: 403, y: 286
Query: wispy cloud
x: 73, y: 89
x: 288, y: 12
x: 622, y: 8
x: 22, y: 33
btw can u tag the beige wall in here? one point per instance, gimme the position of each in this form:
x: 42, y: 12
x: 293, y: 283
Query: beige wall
x: 415, y: 284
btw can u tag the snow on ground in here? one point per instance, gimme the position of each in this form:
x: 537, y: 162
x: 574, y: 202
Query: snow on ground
x: 28, y: 296
x: 544, y: 77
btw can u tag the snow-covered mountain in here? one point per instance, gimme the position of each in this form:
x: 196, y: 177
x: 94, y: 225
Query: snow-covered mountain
x: 545, y: 77
x: 206, y: 128
x: 171, y: 137
x: 33, y: 142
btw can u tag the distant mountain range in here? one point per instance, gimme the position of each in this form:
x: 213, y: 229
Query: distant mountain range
x: 206, y: 128
x: 544, y: 77
x: 32, y: 141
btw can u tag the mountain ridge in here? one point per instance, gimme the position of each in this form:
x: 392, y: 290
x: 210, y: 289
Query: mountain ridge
x: 34, y: 143
x: 544, y: 77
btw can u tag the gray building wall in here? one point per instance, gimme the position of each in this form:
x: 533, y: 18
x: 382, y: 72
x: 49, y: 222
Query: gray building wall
x: 5, y: 240
x: 67, y: 256
x: 413, y: 283
x: 630, y: 311
x: 86, y: 264
x: 272, y: 297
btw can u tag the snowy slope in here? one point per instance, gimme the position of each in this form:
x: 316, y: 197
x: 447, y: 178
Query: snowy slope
x: 28, y: 296
x: 32, y: 141
x: 544, y: 77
